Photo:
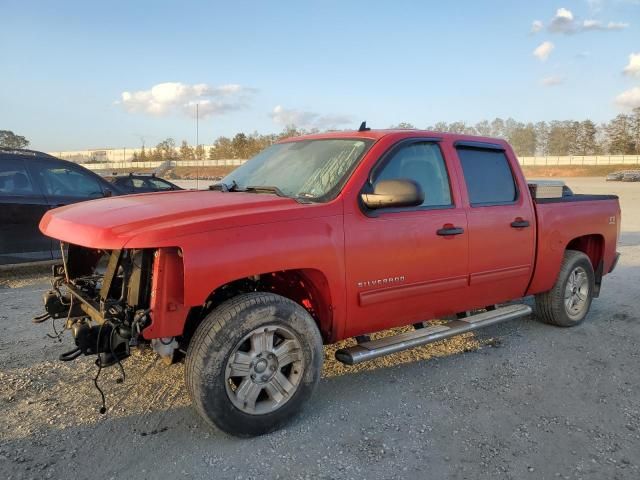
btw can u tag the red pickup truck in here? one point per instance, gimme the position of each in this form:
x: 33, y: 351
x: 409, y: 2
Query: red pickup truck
x: 317, y: 239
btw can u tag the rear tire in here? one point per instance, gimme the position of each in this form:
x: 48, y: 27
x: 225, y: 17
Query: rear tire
x: 568, y: 302
x: 253, y: 362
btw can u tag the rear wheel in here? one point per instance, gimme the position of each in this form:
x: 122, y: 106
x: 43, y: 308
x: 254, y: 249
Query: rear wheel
x: 253, y: 362
x: 568, y: 302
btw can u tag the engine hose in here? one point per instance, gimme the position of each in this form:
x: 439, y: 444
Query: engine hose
x: 70, y: 355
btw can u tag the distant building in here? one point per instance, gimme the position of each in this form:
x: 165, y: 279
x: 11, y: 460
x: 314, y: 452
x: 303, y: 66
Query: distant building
x: 107, y: 155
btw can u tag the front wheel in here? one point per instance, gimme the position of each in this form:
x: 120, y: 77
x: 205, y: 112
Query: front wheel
x: 568, y: 302
x: 253, y: 362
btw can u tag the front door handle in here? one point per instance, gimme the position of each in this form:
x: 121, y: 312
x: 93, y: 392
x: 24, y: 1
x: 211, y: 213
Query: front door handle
x: 520, y: 223
x: 450, y: 230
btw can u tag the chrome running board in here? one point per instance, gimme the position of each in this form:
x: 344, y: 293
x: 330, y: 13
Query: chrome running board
x: 385, y: 346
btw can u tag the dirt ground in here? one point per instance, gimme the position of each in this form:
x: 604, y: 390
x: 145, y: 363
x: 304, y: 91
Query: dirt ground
x: 518, y: 400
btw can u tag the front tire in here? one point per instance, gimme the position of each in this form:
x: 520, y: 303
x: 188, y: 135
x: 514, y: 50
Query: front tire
x: 568, y: 302
x: 253, y: 362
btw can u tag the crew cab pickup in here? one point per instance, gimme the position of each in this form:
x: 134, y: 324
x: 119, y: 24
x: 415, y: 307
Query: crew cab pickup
x: 317, y: 239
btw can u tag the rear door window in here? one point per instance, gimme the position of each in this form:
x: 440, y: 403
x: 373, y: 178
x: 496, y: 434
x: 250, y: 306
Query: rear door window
x: 63, y: 181
x: 14, y: 179
x: 138, y: 183
x: 158, y: 184
x: 488, y: 176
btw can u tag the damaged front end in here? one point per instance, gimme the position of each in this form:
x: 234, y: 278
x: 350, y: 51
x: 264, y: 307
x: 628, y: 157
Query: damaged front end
x: 114, y: 300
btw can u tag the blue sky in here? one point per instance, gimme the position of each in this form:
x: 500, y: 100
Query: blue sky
x: 255, y: 66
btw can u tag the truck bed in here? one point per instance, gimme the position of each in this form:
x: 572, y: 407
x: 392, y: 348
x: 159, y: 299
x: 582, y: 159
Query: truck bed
x: 576, y: 198
x: 594, y: 220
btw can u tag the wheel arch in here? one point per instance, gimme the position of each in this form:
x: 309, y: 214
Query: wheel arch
x: 592, y: 245
x: 308, y: 287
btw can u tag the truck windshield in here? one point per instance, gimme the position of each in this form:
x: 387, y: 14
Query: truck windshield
x: 307, y: 169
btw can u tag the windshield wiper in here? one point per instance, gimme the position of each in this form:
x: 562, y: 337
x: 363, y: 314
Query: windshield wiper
x: 265, y: 189
x: 234, y: 187
x: 223, y: 187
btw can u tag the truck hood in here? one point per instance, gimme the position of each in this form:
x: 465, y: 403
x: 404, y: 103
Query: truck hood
x: 158, y: 219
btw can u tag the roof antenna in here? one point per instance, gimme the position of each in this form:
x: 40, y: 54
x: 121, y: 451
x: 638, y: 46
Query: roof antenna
x: 363, y: 127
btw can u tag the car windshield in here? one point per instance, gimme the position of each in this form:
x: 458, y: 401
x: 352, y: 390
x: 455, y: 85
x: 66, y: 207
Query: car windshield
x: 309, y: 169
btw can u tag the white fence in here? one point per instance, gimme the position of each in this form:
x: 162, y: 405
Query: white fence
x: 582, y: 160
x: 178, y: 163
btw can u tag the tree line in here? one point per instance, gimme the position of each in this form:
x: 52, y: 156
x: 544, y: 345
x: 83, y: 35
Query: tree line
x: 241, y: 145
x: 619, y: 136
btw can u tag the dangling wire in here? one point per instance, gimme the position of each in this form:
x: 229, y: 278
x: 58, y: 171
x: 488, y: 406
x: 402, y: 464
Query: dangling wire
x: 58, y: 335
x: 103, y: 409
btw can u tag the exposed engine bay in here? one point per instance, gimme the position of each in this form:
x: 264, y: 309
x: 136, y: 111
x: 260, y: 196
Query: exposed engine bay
x: 104, y: 297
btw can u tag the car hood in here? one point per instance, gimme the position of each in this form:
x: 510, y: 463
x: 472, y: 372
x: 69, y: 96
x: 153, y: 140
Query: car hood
x: 159, y: 219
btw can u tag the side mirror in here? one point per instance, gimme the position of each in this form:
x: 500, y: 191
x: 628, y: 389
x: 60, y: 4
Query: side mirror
x: 108, y: 192
x: 394, y: 193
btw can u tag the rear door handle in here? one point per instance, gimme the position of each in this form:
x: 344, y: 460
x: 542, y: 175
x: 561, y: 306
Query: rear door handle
x: 446, y: 231
x: 520, y: 223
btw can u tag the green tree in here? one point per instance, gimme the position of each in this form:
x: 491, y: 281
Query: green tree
x: 11, y: 140
x: 199, y: 152
x: 562, y: 137
x: 222, y: 148
x: 635, y: 130
x: 166, y: 150
x: 186, y: 151
x: 523, y: 139
x: 620, y: 135
x: 240, y: 146
x: 587, y: 143
x: 155, y: 155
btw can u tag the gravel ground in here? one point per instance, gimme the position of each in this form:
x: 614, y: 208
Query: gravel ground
x: 518, y: 400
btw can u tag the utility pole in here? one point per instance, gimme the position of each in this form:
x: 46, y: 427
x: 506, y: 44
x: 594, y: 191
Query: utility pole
x: 197, y: 143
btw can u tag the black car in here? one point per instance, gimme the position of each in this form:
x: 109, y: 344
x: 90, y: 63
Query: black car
x: 30, y: 184
x: 141, y: 183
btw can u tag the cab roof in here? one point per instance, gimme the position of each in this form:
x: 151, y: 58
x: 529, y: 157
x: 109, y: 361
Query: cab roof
x: 378, y: 134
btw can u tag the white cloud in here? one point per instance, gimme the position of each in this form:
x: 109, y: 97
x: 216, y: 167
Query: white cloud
x: 562, y: 22
x: 305, y: 119
x: 536, y: 26
x: 171, y: 97
x: 543, y: 51
x: 598, y: 25
x: 633, y: 68
x: 565, y: 22
x: 629, y: 99
x: 552, y: 81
